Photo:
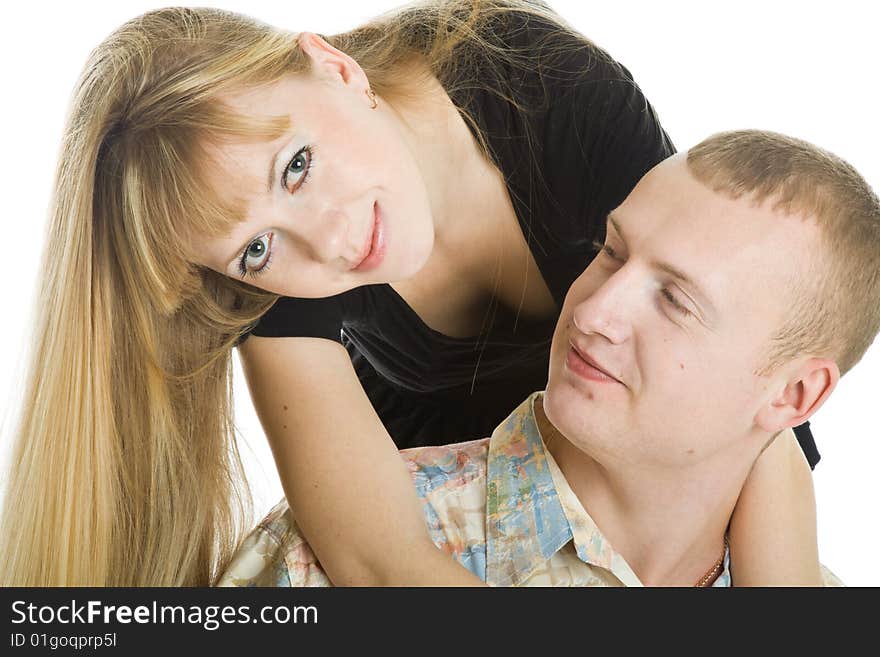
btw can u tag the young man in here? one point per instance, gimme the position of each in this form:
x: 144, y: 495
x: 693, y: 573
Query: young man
x: 736, y: 284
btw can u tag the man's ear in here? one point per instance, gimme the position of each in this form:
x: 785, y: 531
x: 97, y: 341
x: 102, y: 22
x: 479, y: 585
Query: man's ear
x: 328, y: 62
x: 806, y: 390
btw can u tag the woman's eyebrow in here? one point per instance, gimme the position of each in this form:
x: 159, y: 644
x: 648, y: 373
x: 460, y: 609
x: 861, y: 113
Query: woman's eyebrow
x: 270, y: 181
x: 234, y: 259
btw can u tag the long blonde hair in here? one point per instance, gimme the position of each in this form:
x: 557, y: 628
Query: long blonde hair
x: 125, y: 469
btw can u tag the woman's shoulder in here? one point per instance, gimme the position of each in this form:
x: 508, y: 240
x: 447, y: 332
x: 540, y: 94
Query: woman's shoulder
x: 566, y: 123
x: 535, y: 39
x: 309, y: 318
x: 536, y: 73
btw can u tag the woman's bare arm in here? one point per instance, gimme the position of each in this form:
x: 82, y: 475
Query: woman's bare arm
x: 773, y: 529
x: 349, y: 489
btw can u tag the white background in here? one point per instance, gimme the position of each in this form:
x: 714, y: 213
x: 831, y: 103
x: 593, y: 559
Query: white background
x: 807, y: 69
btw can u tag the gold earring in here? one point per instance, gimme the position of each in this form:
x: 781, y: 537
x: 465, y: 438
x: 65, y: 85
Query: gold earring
x: 372, y: 96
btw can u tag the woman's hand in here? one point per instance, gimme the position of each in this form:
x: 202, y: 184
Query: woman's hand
x: 773, y: 529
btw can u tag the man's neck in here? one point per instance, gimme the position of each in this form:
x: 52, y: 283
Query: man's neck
x: 668, y: 524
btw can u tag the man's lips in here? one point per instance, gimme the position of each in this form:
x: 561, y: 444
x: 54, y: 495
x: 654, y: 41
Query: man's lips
x: 580, y: 361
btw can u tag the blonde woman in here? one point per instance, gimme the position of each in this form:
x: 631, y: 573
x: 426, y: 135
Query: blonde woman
x: 384, y: 222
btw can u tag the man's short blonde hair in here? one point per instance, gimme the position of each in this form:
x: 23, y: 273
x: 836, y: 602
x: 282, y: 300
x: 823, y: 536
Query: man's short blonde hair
x: 834, y: 310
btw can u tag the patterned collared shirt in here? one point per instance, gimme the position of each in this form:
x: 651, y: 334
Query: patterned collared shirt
x: 500, y: 506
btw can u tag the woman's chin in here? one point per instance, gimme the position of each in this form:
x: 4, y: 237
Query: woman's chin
x: 415, y: 259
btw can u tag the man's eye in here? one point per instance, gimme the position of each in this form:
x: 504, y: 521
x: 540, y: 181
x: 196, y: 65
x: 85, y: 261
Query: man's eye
x: 607, y: 250
x: 674, y: 302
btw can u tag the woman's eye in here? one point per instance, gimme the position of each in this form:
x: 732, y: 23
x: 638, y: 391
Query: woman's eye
x: 297, y: 170
x: 256, y: 256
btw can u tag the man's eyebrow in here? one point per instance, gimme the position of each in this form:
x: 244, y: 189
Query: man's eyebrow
x: 702, y: 298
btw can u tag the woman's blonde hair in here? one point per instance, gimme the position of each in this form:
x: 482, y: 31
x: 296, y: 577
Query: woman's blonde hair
x: 125, y: 469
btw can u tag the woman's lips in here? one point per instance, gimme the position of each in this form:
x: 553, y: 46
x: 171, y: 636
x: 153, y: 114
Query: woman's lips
x: 376, y: 250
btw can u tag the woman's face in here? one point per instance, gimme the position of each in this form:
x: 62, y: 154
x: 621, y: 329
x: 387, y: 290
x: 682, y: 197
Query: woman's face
x: 335, y: 203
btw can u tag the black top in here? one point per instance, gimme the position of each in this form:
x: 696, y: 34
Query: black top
x: 587, y: 136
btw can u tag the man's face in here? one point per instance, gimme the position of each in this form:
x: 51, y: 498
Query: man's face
x: 678, y: 308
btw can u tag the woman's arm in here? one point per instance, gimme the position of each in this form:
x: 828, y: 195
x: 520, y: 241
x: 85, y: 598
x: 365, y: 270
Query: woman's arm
x: 773, y: 528
x: 349, y: 490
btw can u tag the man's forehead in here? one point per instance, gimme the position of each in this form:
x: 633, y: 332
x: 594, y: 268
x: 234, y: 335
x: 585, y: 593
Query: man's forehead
x: 670, y: 200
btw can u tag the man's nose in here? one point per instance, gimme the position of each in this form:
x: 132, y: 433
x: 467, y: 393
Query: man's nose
x: 608, y: 310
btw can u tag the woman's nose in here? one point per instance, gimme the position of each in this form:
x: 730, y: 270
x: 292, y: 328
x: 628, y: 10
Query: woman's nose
x: 327, y: 238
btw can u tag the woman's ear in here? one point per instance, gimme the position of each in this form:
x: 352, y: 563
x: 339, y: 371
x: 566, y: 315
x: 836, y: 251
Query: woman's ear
x: 329, y: 63
x: 806, y: 390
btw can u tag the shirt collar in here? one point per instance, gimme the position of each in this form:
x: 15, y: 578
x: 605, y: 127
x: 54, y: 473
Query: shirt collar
x: 525, y: 522
x: 531, y: 511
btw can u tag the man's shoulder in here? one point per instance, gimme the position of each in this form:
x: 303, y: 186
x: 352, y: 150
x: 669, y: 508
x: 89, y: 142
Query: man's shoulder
x: 274, y: 554
x: 447, y: 466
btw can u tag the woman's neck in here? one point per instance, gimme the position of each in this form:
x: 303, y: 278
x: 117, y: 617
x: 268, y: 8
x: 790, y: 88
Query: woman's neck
x: 454, y: 168
x: 479, y: 251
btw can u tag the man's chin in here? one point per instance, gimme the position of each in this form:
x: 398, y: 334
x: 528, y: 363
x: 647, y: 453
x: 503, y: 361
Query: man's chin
x: 580, y: 422
x: 567, y: 407
x: 577, y: 393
